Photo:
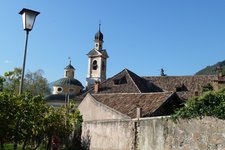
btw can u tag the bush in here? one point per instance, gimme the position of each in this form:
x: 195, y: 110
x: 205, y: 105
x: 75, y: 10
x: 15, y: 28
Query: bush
x: 211, y: 103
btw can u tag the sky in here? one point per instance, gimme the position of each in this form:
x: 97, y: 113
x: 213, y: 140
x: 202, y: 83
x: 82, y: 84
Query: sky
x: 180, y: 36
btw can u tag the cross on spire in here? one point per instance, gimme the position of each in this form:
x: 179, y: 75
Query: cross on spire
x: 69, y: 59
x: 99, y: 25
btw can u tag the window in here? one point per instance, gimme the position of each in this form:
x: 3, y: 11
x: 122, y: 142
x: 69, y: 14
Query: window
x: 71, y: 90
x: 94, y: 65
x: 122, y: 80
x: 96, y: 45
x: 178, y: 89
x: 67, y: 73
x: 72, y: 74
x: 59, y: 89
x: 181, y: 88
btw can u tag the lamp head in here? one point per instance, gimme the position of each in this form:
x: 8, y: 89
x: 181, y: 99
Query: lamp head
x: 28, y: 17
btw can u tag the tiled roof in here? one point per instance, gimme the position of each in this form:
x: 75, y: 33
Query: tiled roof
x: 124, y: 82
x: 128, y: 82
x: 192, y: 83
x: 186, y: 86
x: 126, y: 103
x: 139, y: 82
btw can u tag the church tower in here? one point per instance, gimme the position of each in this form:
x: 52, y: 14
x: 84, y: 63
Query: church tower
x: 97, y: 59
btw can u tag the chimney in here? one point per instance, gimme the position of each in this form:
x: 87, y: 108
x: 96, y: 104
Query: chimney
x: 139, y: 113
x: 96, y: 86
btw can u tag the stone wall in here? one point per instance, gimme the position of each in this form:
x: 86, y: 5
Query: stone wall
x: 108, y: 135
x: 155, y: 134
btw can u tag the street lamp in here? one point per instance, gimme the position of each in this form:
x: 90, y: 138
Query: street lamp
x: 28, y: 17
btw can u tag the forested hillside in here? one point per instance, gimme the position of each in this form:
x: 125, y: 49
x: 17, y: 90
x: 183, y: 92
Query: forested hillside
x: 212, y: 70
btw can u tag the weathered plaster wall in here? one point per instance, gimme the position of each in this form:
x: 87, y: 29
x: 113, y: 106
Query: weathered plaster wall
x: 109, y: 135
x: 156, y: 134
x: 97, y: 111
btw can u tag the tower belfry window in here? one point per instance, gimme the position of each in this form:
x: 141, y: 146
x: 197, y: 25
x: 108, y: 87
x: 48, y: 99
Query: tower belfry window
x: 94, y: 65
x: 67, y: 72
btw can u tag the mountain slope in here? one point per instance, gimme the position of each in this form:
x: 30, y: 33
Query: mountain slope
x: 212, y: 70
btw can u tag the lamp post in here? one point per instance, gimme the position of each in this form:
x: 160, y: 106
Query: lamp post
x: 28, y: 17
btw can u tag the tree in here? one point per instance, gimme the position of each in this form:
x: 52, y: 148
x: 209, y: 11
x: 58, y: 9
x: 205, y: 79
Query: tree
x: 211, y: 103
x: 27, y: 120
x: 34, y: 82
x: 61, y: 122
x: 13, y: 80
x: 2, y: 80
x: 8, y: 109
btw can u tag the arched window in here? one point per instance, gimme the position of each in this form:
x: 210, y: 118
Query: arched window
x: 94, y: 65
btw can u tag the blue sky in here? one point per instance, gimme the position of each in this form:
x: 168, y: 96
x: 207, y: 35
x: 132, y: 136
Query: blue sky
x: 181, y: 36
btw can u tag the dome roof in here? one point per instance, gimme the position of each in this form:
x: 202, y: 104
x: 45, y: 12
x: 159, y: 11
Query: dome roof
x: 58, y: 97
x: 99, y: 36
x: 69, y: 67
x: 67, y: 81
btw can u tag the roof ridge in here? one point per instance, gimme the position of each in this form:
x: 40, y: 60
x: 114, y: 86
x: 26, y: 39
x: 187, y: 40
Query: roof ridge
x: 128, y: 72
x: 182, y: 76
x: 152, y: 93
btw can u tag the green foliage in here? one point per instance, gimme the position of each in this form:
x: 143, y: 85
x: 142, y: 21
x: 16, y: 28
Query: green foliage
x: 211, y: 103
x: 10, y: 147
x: 34, y: 82
x: 207, y: 88
x: 13, y: 80
x: 2, y: 80
x: 28, y: 121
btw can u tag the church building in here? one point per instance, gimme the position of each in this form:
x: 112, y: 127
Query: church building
x: 70, y: 88
x: 126, y: 95
x: 97, y: 60
x: 65, y: 88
